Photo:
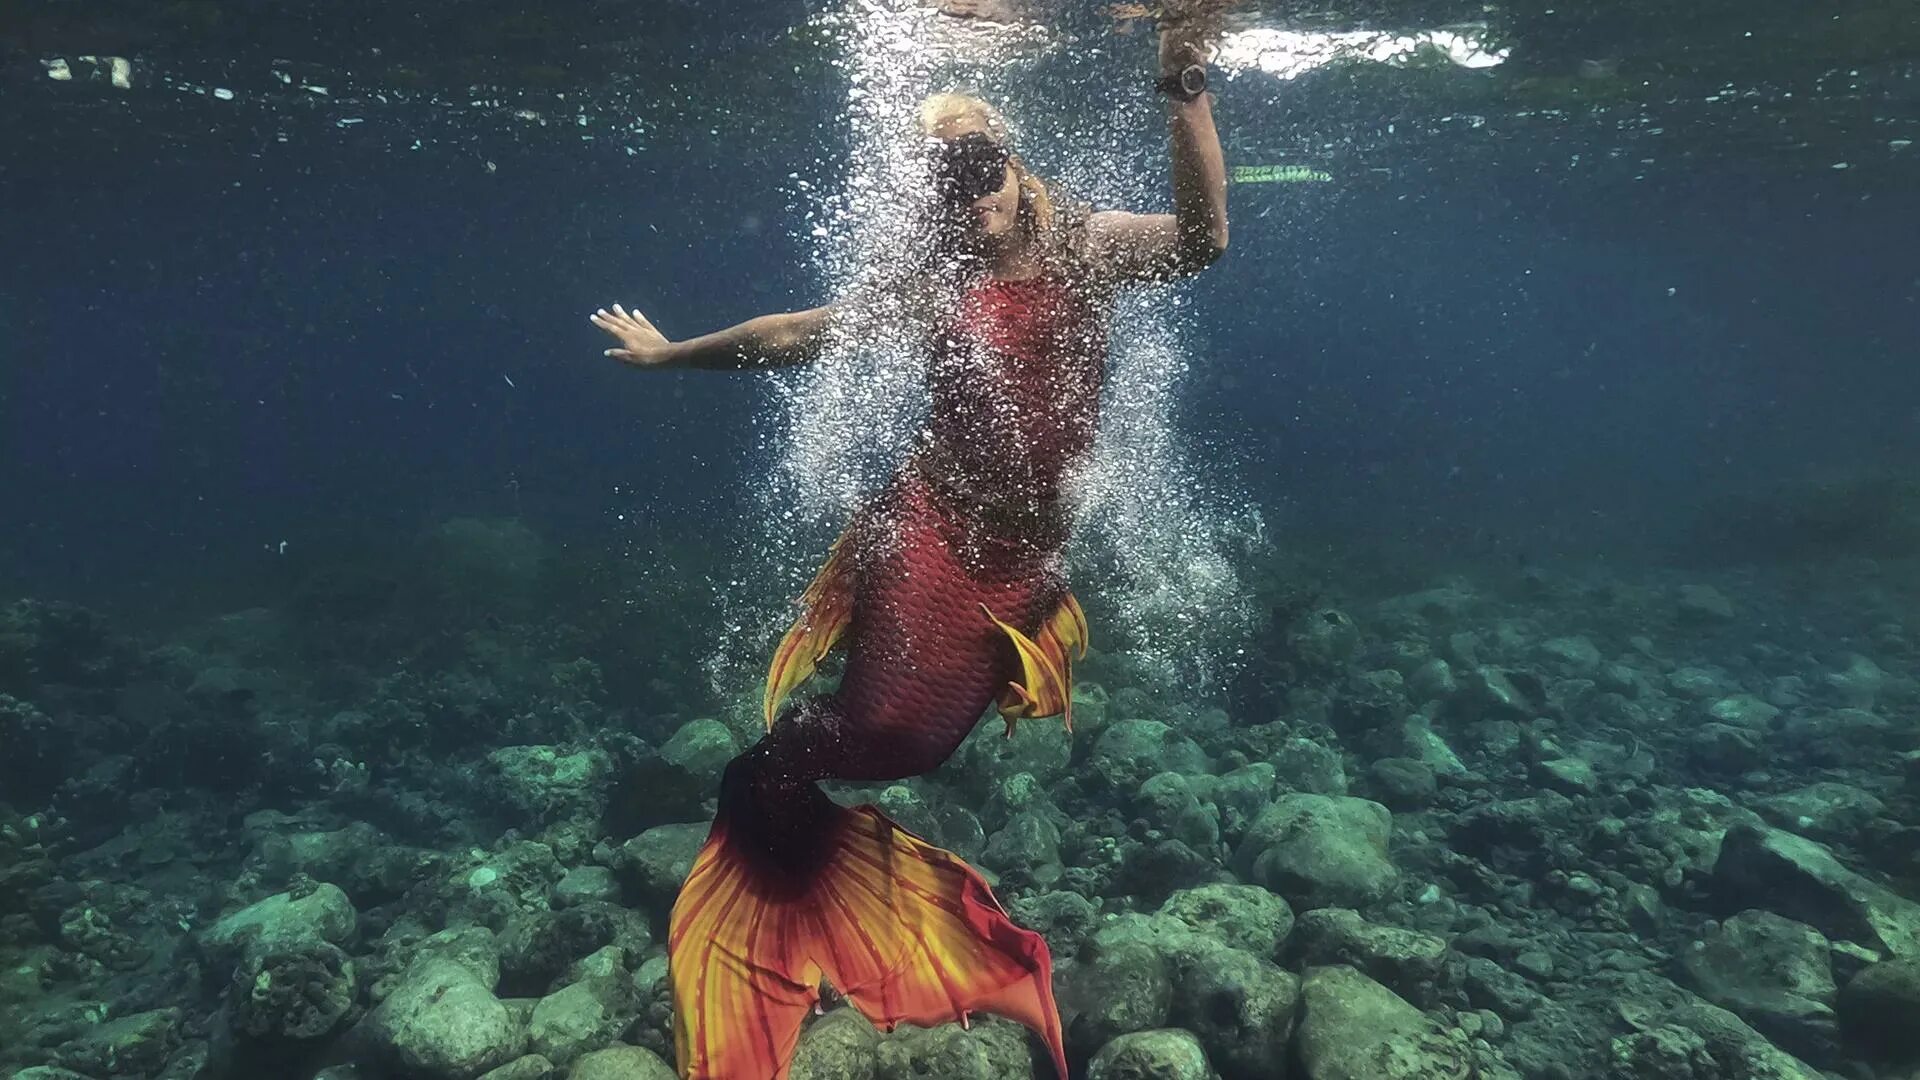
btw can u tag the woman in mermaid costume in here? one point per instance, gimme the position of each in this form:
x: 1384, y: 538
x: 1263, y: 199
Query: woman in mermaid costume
x: 947, y: 595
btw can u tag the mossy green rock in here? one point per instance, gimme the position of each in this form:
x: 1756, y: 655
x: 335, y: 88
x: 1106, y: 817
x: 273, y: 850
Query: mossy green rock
x: 992, y: 1049
x: 1161, y: 1054
x: 531, y: 1067
x: 134, y: 1045
x: 1244, y: 917
x: 582, y: 1016
x: 1320, y: 851
x: 702, y: 749
x: 622, y: 1063
x: 841, y: 1045
x: 1880, y: 1010
x: 1352, y: 1028
x: 282, y: 923
x: 1130, y: 751
x: 443, y: 1023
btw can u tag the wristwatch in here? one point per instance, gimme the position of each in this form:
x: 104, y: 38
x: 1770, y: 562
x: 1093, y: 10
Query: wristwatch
x: 1184, y: 85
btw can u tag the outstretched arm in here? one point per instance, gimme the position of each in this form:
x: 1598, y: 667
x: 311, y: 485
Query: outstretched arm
x: 769, y: 341
x: 1160, y: 247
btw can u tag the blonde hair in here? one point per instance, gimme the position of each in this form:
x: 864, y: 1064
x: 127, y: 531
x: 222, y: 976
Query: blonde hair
x: 950, y: 114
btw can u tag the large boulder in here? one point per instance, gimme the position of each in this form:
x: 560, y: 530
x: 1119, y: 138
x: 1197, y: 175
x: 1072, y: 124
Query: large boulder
x: 1161, y: 1054
x: 1130, y: 751
x: 1879, y: 1010
x: 1793, y: 876
x: 653, y: 864
x: 841, y: 1045
x: 282, y: 923
x: 1242, y: 916
x: 1320, y: 851
x: 442, y: 1023
x: 622, y: 1063
x: 1774, y: 973
x: 1352, y: 1028
x: 583, y: 1016
x: 991, y: 1049
x: 1408, y: 962
x: 1242, y: 1009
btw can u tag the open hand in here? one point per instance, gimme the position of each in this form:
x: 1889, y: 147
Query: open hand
x: 640, y: 344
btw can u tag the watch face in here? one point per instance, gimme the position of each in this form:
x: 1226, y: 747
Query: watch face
x: 1193, y: 81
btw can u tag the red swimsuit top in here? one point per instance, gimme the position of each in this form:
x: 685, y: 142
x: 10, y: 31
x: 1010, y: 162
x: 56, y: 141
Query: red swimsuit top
x: 1014, y: 379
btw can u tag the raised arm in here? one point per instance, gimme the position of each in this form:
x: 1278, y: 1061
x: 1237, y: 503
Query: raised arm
x: 769, y: 341
x: 1159, y: 247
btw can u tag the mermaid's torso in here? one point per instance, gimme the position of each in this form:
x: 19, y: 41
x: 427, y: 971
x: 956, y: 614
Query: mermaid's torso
x: 1014, y: 378
x: 976, y: 519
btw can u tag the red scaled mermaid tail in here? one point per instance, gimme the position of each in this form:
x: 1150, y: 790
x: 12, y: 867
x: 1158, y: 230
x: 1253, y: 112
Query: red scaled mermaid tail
x: 905, y: 931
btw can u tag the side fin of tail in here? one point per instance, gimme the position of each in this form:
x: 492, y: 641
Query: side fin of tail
x: 1045, y: 687
x: 908, y: 932
x: 826, y: 608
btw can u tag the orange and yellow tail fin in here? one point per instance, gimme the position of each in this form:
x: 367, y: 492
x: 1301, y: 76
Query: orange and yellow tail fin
x: 907, y: 932
x: 1045, y: 687
x: 826, y: 608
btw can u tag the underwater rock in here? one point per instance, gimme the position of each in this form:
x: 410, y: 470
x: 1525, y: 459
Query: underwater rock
x: 475, y: 948
x: 129, y: 1046
x: 1244, y: 917
x: 1432, y: 681
x: 1403, y: 783
x: 1568, y: 775
x: 1860, y: 683
x: 1799, y: 878
x: 1724, y: 748
x: 1408, y: 962
x: 658, y: 860
x: 441, y: 1022
x: 1152, y: 870
x: 701, y: 750
x: 1026, y: 851
x: 991, y: 1049
x: 1487, y: 694
x: 517, y: 878
x: 1302, y: 765
x: 282, y: 923
x: 1352, y: 1028
x: 1322, y: 640
x: 531, y: 1067
x: 842, y: 1045
x: 1062, y: 917
x: 622, y: 1063
x: 1167, y: 802
x: 1160, y: 1054
x: 1696, y: 683
x: 39, y: 753
x: 1774, y: 973
x: 1237, y: 796
x: 1703, y: 604
x: 289, y: 996
x: 1744, y: 711
x: 1825, y: 809
x: 1491, y: 986
x: 547, y: 784
x: 584, y: 884
x: 1879, y: 1011
x: 1320, y: 851
x: 1664, y: 1052
x: 1040, y: 748
x: 1419, y: 742
x: 582, y: 1016
x: 1574, y: 654
x: 1125, y: 985
x: 538, y: 947
x: 1242, y: 1008
x: 1130, y: 751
